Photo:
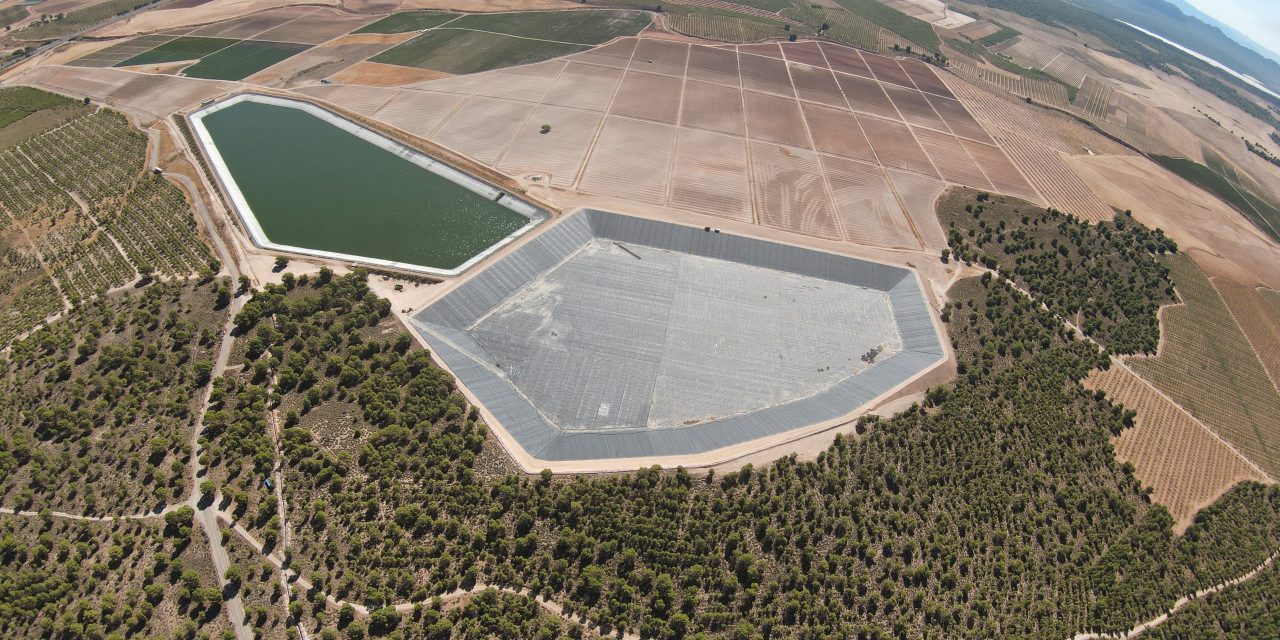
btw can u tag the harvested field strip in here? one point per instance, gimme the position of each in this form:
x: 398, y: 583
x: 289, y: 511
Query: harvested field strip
x: 407, y: 21
x: 1186, y: 465
x: 865, y: 205
x: 456, y: 51
x: 846, y: 60
x: 837, y: 132
x: 315, y: 28
x: 243, y: 59
x: 615, y: 54
x: 713, y: 107
x: 867, y: 96
x: 528, y: 83
x: 660, y: 56
x: 789, y: 191
x: 958, y: 119
x: 924, y: 77
x: 417, y: 112
x: 917, y: 194
x: 817, y: 85
x: 915, y: 109
x: 713, y: 65
x: 648, y: 96
x: 775, y: 119
x: 1206, y: 365
x: 1002, y: 173
x: 121, y: 51
x: 630, y: 160
x: 760, y: 73
x: 888, y: 70
x: 951, y: 159
x: 362, y: 100
x: 187, y: 48
x: 1063, y: 189
x: 559, y: 153
x: 895, y: 146
x: 710, y: 175
x: 1257, y: 311
x: 482, y: 127
x: 584, y: 86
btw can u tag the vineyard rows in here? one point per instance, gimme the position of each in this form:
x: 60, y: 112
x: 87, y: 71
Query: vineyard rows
x: 33, y: 301
x: 1186, y: 467
x: 1049, y: 93
x: 722, y: 28
x: 846, y: 27
x: 1258, y: 313
x: 1207, y: 366
x: 1094, y: 97
x: 26, y: 192
x: 131, y: 219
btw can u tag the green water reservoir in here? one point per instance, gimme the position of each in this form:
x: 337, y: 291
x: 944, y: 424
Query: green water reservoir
x: 315, y: 186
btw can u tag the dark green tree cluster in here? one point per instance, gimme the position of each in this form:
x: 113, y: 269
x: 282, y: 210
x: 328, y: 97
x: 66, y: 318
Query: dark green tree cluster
x: 96, y: 409
x: 995, y: 510
x: 62, y: 578
x: 1248, y: 610
x: 1104, y: 278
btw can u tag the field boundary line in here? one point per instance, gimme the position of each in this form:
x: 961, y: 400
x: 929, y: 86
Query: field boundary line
x: 502, y: 153
x: 813, y: 146
x: 604, y: 117
x: 675, y: 136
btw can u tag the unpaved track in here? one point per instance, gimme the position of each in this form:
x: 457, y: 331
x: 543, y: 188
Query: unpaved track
x: 1179, y: 605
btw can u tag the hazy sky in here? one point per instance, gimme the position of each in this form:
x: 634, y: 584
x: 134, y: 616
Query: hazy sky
x: 1258, y: 19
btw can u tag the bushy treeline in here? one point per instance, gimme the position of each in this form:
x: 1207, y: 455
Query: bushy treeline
x: 995, y: 510
x: 96, y: 410
x: 61, y: 578
x: 1103, y: 277
x: 1248, y: 610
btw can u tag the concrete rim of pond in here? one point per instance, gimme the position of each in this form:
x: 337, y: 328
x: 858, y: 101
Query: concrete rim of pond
x: 244, y: 212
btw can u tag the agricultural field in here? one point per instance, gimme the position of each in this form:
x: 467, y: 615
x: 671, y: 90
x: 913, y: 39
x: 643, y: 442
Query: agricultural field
x: 407, y: 21
x: 456, y: 51
x: 723, y: 26
x: 67, y: 578
x: 1186, y: 466
x: 179, y: 50
x: 243, y: 59
x: 1207, y: 366
x: 1257, y: 311
x: 577, y: 27
x: 1262, y: 213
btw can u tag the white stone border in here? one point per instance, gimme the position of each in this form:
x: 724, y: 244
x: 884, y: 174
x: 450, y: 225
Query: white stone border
x: 535, y: 215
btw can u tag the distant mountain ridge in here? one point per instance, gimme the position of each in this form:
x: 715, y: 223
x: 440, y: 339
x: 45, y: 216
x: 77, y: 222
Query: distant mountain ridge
x: 1168, y: 20
x: 1227, y: 30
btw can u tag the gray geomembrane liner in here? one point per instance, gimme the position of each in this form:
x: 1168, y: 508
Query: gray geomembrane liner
x: 609, y: 336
